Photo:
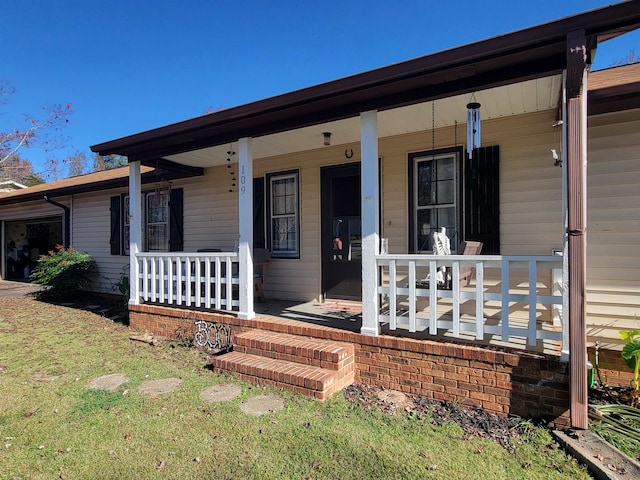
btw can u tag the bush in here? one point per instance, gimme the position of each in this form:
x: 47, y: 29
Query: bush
x: 64, y: 271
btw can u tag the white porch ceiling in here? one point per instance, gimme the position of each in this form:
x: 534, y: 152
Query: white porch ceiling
x: 515, y: 99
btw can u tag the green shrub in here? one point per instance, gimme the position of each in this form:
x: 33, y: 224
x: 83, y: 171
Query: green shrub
x: 65, y: 271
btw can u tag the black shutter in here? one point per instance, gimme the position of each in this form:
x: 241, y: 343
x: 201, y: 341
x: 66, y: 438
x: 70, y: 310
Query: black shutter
x: 176, y: 224
x: 116, y: 219
x: 482, y: 199
x: 258, y: 213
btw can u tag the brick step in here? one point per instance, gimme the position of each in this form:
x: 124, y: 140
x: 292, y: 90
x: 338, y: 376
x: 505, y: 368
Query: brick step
x: 294, y: 348
x: 309, y: 380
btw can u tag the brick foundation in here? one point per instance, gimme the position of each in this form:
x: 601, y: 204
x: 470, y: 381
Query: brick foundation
x: 499, y: 381
x: 613, y: 370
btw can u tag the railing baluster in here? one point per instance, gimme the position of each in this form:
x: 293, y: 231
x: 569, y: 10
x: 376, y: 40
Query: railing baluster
x: 161, y: 266
x: 533, y: 301
x: 154, y: 296
x: 189, y: 279
x: 179, y: 286
x: 433, y: 299
x: 455, y: 290
x: 198, y: 284
x: 504, y: 315
x: 412, y: 296
x: 207, y: 274
x: 218, y: 283
x: 229, y: 282
x: 145, y: 279
x: 170, y: 267
x: 392, y: 296
x: 479, y: 300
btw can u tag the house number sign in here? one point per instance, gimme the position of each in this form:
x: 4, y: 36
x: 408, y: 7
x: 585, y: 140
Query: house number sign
x: 212, y: 335
x: 243, y: 180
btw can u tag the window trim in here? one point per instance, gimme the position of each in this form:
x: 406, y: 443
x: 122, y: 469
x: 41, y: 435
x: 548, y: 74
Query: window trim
x: 270, y: 178
x: 413, y: 159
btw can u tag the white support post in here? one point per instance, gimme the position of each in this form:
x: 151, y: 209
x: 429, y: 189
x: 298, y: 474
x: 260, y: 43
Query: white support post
x: 245, y: 219
x: 370, y: 221
x: 564, y: 314
x: 135, y: 230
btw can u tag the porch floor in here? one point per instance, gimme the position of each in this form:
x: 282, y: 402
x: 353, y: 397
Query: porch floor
x: 332, y: 313
x: 347, y: 315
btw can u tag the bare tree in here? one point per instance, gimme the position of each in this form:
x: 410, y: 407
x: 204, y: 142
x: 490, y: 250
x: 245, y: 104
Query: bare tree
x: 76, y: 164
x: 40, y: 132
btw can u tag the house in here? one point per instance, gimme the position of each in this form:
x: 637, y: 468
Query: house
x: 10, y: 186
x: 345, y: 182
x: 71, y: 211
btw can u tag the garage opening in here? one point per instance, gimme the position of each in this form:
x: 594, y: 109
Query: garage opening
x: 25, y: 241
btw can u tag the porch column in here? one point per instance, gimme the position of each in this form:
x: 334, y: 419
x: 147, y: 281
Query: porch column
x: 135, y: 230
x: 245, y: 220
x: 370, y: 221
x: 577, y: 67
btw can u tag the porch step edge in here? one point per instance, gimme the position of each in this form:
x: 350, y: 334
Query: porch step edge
x: 294, y: 348
x: 310, y: 380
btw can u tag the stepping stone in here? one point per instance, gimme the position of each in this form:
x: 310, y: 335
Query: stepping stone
x: 220, y: 393
x: 164, y: 385
x: 395, y: 399
x: 108, y: 382
x: 262, y: 404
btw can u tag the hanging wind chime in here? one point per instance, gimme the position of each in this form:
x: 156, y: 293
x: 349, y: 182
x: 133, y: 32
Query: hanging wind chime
x: 474, y: 132
x: 162, y: 187
x: 230, y: 154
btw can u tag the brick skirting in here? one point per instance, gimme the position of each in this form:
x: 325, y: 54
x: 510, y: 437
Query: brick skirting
x: 500, y: 381
x: 613, y: 370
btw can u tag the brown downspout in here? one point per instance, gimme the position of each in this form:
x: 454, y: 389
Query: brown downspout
x: 577, y: 67
x: 67, y: 219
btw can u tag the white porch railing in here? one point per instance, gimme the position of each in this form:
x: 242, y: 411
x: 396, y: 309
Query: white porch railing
x: 511, y: 297
x: 189, y: 279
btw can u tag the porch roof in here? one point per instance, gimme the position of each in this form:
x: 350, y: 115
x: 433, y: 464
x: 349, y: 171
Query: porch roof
x: 527, y: 54
x: 96, y: 181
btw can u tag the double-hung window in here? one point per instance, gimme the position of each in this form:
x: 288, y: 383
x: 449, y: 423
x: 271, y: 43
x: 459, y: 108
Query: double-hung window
x: 435, y: 198
x: 284, y: 215
x: 161, y: 222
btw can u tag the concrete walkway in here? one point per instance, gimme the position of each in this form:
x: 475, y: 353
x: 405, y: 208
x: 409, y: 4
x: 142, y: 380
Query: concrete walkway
x: 10, y: 288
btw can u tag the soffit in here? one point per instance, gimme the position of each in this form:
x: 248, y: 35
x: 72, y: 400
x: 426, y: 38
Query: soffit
x: 515, y: 99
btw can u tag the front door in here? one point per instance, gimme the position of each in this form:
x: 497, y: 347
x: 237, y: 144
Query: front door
x: 341, y: 232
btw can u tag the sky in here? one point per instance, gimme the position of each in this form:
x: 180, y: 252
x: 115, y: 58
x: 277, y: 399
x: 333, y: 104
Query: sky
x: 128, y: 66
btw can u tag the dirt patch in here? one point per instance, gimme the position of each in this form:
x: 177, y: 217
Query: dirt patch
x: 108, y: 382
x: 163, y: 385
x: 220, y: 393
x: 262, y: 404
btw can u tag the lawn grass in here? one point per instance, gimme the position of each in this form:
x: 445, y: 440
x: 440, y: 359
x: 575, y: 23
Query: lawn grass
x: 52, y: 426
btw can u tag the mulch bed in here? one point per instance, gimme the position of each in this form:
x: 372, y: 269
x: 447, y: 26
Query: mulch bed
x: 473, y: 421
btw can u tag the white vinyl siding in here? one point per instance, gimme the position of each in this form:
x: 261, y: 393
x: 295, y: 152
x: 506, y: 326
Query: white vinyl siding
x: 613, y: 226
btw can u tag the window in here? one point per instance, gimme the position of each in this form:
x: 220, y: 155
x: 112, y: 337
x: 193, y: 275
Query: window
x: 460, y: 193
x: 284, y: 218
x: 435, y: 198
x: 161, y: 222
x: 156, y: 225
